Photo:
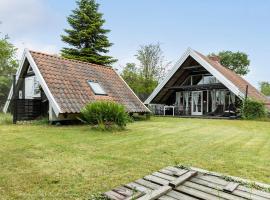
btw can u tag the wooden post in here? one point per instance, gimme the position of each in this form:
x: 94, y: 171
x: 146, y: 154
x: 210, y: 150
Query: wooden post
x: 14, y: 100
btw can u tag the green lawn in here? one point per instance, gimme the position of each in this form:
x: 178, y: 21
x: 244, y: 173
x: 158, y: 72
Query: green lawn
x: 71, y: 162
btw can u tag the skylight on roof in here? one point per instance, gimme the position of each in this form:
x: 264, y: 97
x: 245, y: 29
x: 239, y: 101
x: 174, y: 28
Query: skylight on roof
x: 96, y: 87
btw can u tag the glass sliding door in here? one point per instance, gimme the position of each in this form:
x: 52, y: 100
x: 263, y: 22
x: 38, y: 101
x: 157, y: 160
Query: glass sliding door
x: 196, y: 106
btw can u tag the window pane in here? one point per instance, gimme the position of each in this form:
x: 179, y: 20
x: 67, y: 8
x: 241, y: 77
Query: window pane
x: 96, y: 88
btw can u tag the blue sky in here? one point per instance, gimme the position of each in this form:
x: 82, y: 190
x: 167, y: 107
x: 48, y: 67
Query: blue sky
x: 207, y: 26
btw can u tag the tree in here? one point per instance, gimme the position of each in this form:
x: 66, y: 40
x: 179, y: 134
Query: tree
x: 8, y: 66
x: 131, y: 76
x: 141, y: 86
x: 236, y: 61
x: 87, y: 37
x: 144, y: 78
x: 265, y: 88
x: 152, y: 66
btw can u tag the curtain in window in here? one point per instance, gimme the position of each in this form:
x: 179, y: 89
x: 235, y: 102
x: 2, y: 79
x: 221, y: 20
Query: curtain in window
x: 196, y: 100
x: 232, y: 95
x: 222, y: 97
x: 177, y: 98
x: 213, y: 97
x: 186, y: 97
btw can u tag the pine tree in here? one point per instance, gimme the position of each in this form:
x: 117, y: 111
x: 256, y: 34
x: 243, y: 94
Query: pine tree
x: 87, y: 37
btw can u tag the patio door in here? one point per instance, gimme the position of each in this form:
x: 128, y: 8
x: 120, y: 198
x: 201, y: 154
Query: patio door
x: 197, y: 103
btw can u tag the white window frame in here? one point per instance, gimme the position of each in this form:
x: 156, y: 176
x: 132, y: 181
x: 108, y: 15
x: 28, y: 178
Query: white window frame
x: 97, y: 91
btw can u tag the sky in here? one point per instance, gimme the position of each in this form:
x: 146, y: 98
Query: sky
x: 206, y: 26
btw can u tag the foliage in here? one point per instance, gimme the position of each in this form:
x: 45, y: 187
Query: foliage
x: 87, y: 35
x: 41, y: 121
x: 141, y: 86
x: 152, y: 64
x: 8, y: 66
x: 105, y: 114
x: 139, y: 117
x: 252, y: 109
x: 265, y: 88
x: 5, y: 119
x: 144, y: 78
x: 236, y: 61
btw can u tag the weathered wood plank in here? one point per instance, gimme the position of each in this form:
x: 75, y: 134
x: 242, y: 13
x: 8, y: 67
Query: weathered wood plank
x: 163, y: 176
x: 212, y: 191
x: 168, y: 172
x: 157, y: 180
x: 176, y: 171
x: 155, y: 194
x: 173, y: 194
x: 123, y: 191
x: 114, y: 195
x: 179, y: 195
x: 135, y: 196
x: 233, y: 177
x: 138, y: 187
x: 197, y: 193
x: 182, y: 178
x: 147, y: 184
x: 231, y: 186
x: 254, y: 191
x: 165, y: 197
x: 187, y: 186
x: 249, y: 193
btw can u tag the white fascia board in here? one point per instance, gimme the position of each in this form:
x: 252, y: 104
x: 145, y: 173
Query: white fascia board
x: 217, y: 74
x: 5, y: 109
x: 177, y: 65
x: 43, y: 84
x: 130, y: 89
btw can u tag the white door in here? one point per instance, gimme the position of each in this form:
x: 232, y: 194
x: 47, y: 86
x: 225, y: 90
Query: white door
x: 197, y: 104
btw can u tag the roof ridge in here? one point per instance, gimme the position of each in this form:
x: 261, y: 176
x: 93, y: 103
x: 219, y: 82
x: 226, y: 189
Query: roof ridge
x: 71, y: 60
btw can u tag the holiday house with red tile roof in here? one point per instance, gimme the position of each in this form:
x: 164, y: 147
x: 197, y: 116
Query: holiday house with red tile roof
x: 48, y: 85
x: 200, y: 86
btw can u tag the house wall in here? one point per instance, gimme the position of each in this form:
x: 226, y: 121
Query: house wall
x: 30, y: 105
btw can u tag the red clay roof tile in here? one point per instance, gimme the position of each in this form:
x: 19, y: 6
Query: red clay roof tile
x: 237, y: 80
x: 67, y: 81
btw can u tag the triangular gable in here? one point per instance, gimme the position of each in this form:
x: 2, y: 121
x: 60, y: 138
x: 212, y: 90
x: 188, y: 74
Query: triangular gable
x: 28, y: 57
x: 197, y: 57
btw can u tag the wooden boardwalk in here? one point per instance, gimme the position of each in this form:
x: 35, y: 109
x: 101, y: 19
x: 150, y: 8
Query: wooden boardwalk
x: 173, y: 183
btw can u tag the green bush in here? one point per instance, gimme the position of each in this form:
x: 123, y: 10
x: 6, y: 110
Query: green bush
x: 105, y: 114
x: 252, y: 109
x: 5, y: 119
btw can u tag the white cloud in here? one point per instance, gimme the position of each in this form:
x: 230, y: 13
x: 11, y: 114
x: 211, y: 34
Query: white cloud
x: 35, y: 46
x: 18, y: 16
x: 26, y: 22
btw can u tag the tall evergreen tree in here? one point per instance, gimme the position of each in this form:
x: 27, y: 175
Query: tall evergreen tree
x: 87, y: 37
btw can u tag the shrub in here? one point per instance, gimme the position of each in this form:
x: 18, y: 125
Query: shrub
x: 105, y: 114
x: 252, y: 109
x: 140, y: 117
x: 41, y: 121
x: 5, y: 119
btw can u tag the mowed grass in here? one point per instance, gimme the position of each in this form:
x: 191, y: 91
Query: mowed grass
x: 72, y: 162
